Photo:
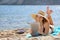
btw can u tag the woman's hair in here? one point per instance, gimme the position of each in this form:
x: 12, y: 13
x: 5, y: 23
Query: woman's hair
x: 44, y: 20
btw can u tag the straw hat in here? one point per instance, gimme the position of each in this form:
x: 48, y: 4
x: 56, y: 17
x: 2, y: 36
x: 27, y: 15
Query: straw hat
x: 40, y: 13
x: 34, y: 16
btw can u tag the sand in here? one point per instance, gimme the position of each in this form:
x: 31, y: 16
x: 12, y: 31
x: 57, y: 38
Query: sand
x: 12, y: 35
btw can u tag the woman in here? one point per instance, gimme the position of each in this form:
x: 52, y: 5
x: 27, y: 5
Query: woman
x: 45, y: 23
x: 41, y: 24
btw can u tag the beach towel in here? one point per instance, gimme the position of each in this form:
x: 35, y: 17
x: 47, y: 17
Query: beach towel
x: 56, y: 31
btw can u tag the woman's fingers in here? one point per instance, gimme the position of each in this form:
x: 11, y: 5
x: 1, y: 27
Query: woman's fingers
x: 47, y: 8
x: 49, y: 11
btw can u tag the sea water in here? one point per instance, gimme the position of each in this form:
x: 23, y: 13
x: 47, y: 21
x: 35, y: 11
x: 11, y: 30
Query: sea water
x: 16, y: 17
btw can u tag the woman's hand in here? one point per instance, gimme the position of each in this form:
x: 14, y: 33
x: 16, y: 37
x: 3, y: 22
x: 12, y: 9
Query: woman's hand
x: 49, y: 11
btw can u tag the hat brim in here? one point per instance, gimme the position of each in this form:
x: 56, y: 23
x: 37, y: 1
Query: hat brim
x: 33, y: 16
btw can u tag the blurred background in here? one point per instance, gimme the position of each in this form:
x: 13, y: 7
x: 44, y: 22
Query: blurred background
x: 29, y: 2
x: 18, y: 16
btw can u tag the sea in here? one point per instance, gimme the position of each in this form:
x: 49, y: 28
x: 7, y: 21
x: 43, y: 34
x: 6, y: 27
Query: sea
x: 19, y: 16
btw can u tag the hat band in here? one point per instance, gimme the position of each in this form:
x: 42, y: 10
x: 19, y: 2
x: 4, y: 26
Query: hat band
x: 40, y: 15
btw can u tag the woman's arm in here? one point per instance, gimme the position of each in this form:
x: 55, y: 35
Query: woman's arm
x: 50, y: 20
x: 49, y: 16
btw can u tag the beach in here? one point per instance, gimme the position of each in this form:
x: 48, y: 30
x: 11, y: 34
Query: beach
x: 12, y: 35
